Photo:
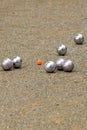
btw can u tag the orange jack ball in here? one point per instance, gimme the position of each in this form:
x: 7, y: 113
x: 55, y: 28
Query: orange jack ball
x: 39, y: 62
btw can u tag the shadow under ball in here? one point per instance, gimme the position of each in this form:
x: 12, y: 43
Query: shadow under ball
x: 50, y: 66
x: 79, y: 39
x: 17, y: 62
x: 62, y: 50
x: 7, y: 64
x: 68, y: 66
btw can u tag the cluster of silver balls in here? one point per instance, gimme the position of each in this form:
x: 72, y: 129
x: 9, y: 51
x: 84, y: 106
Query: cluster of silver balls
x: 50, y: 66
x: 9, y: 64
x: 61, y: 64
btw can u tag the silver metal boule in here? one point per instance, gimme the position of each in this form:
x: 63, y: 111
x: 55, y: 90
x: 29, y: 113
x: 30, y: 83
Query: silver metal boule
x: 62, y: 49
x: 7, y: 64
x: 17, y: 62
x: 50, y: 66
x: 59, y: 63
x: 79, y: 39
x: 68, y: 66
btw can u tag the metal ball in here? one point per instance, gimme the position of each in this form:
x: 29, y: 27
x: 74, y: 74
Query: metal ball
x: 59, y: 63
x: 68, y: 66
x: 79, y: 39
x: 50, y: 66
x: 17, y: 62
x: 7, y: 64
x: 62, y: 50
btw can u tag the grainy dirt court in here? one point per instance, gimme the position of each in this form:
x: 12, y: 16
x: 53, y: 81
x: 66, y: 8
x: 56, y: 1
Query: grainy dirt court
x: 30, y: 98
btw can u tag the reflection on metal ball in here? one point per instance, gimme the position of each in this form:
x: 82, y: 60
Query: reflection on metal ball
x: 79, y: 39
x: 50, y: 66
x: 7, y: 64
x: 17, y: 62
x: 68, y: 66
x: 62, y: 50
x: 59, y: 63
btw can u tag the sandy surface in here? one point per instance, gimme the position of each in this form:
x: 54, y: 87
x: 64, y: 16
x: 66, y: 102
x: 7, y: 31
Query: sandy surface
x: 31, y: 99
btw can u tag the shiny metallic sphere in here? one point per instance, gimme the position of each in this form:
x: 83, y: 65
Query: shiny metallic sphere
x: 68, y: 66
x: 17, y: 62
x: 7, y: 64
x: 59, y: 63
x: 62, y: 50
x: 50, y: 66
x: 79, y: 39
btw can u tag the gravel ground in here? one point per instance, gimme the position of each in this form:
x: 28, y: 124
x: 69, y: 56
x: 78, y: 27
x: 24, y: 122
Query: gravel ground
x: 30, y: 98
